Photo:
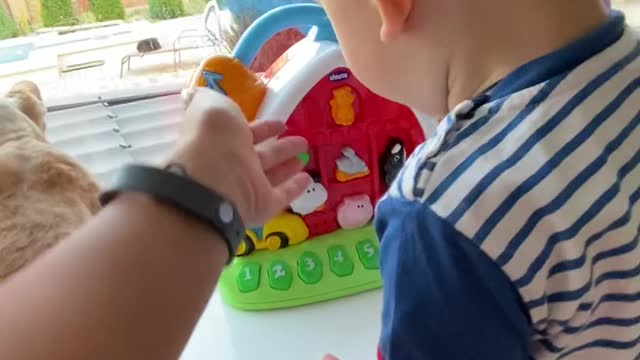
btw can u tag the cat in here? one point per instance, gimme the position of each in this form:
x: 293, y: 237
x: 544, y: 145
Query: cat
x: 44, y: 194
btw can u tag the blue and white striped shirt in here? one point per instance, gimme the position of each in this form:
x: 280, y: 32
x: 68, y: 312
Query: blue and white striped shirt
x: 512, y: 232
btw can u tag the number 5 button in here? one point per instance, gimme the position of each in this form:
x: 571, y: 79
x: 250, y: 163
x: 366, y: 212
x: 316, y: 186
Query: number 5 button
x: 339, y: 261
x: 368, y: 254
x: 279, y: 275
x: 309, y: 268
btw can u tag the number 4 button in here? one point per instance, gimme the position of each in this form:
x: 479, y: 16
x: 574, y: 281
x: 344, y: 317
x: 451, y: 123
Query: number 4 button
x: 368, y: 254
x: 339, y: 261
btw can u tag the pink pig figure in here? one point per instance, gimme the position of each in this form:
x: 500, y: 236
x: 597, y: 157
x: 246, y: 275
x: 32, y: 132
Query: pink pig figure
x: 355, y: 212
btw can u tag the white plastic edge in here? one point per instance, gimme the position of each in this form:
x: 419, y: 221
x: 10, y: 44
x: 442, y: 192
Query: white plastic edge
x: 309, y: 62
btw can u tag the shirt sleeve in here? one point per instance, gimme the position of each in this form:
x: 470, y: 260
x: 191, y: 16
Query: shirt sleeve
x: 444, y: 298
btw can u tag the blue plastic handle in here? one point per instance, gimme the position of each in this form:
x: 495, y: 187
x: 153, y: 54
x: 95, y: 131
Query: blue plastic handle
x: 279, y: 19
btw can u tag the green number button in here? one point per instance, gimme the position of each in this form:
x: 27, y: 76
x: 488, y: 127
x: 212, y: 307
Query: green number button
x: 279, y: 275
x: 309, y: 268
x: 339, y: 261
x: 249, y: 277
x: 368, y: 254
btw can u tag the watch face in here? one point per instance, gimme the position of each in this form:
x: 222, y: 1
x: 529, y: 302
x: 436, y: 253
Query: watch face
x: 225, y: 212
x: 176, y: 169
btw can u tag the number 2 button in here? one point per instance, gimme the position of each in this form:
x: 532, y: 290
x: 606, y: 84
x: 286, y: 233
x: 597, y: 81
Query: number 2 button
x: 368, y: 254
x: 279, y: 275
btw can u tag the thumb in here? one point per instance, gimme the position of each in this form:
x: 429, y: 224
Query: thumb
x: 187, y: 96
x: 329, y: 357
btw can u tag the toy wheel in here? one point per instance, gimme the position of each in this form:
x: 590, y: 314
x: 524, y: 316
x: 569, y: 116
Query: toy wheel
x: 247, y: 246
x: 277, y: 240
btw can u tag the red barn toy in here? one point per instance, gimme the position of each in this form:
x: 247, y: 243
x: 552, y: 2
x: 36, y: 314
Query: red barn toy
x: 358, y: 140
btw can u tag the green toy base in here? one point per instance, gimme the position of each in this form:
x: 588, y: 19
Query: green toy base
x: 278, y: 282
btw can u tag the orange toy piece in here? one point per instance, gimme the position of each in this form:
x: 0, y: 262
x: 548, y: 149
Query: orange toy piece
x: 344, y: 177
x: 342, y: 106
x: 350, y: 166
x: 230, y: 77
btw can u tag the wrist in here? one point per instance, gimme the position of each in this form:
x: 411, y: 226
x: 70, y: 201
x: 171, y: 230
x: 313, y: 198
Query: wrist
x: 174, y: 188
x: 169, y: 221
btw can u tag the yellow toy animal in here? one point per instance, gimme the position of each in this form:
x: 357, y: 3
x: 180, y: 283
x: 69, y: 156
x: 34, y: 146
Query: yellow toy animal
x: 281, y: 231
x: 44, y: 194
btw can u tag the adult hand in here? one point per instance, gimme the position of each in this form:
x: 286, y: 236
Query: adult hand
x: 329, y: 357
x: 219, y: 149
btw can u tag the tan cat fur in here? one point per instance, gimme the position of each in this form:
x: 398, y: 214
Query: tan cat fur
x: 44, y: 194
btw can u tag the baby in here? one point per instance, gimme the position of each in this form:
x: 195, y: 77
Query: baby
x: 44, y: 194
x: 512, y: 232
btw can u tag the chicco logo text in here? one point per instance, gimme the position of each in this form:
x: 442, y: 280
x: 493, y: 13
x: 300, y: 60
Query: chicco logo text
x: 338, y: 76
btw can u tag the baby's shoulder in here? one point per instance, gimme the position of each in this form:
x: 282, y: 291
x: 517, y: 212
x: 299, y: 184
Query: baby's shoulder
x: 534, y: 153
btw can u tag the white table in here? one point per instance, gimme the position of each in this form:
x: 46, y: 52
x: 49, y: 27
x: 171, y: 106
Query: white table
x: 348, y: 328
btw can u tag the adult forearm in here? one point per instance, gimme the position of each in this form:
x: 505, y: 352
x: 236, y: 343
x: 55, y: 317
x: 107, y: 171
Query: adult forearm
x: 133, y: 282
x: 129, y: 285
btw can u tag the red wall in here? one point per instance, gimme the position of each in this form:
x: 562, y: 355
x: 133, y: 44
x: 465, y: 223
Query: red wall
x: 377, y: 122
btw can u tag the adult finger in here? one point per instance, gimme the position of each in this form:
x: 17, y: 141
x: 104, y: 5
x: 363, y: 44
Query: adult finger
x: 284, y: 171
x: 329, y: 357
x: 212, y: 107
x: 291, y: 189
x: 210, y: 113
x: 279, y: 151
x: 187, y: 96
x: 263, y: 130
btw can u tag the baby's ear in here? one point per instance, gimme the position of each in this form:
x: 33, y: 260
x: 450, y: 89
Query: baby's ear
x: 26, y: 95
x: 395, y: 17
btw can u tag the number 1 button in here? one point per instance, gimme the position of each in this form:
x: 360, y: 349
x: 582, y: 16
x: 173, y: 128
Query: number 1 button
x: 279, y: 275
x: 249, y: 277
x: 368, y: 254
x: 339, y: 261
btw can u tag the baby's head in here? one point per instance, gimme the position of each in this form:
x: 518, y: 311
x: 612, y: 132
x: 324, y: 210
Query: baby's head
x: 430, y: 53
x: 22, y: 113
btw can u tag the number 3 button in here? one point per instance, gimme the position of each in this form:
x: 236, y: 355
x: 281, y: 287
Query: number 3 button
x: 309, y: 268
x: 279, y: 275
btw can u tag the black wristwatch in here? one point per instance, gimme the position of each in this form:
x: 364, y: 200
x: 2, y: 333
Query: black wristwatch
x: 173, y: 187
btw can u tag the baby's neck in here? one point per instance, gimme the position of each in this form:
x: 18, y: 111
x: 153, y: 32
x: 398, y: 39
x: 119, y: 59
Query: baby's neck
x: 496, y: 49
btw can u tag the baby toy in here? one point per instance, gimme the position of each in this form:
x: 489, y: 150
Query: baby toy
x: 349, y: 166
x: 283, y: 230
x: 311, y: 200
x: 355, y: 212
x: 342, y: 110
x: 322, y: 247
x: 393, y: 160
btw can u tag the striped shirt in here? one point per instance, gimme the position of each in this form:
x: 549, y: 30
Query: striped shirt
x: 512, y: 232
